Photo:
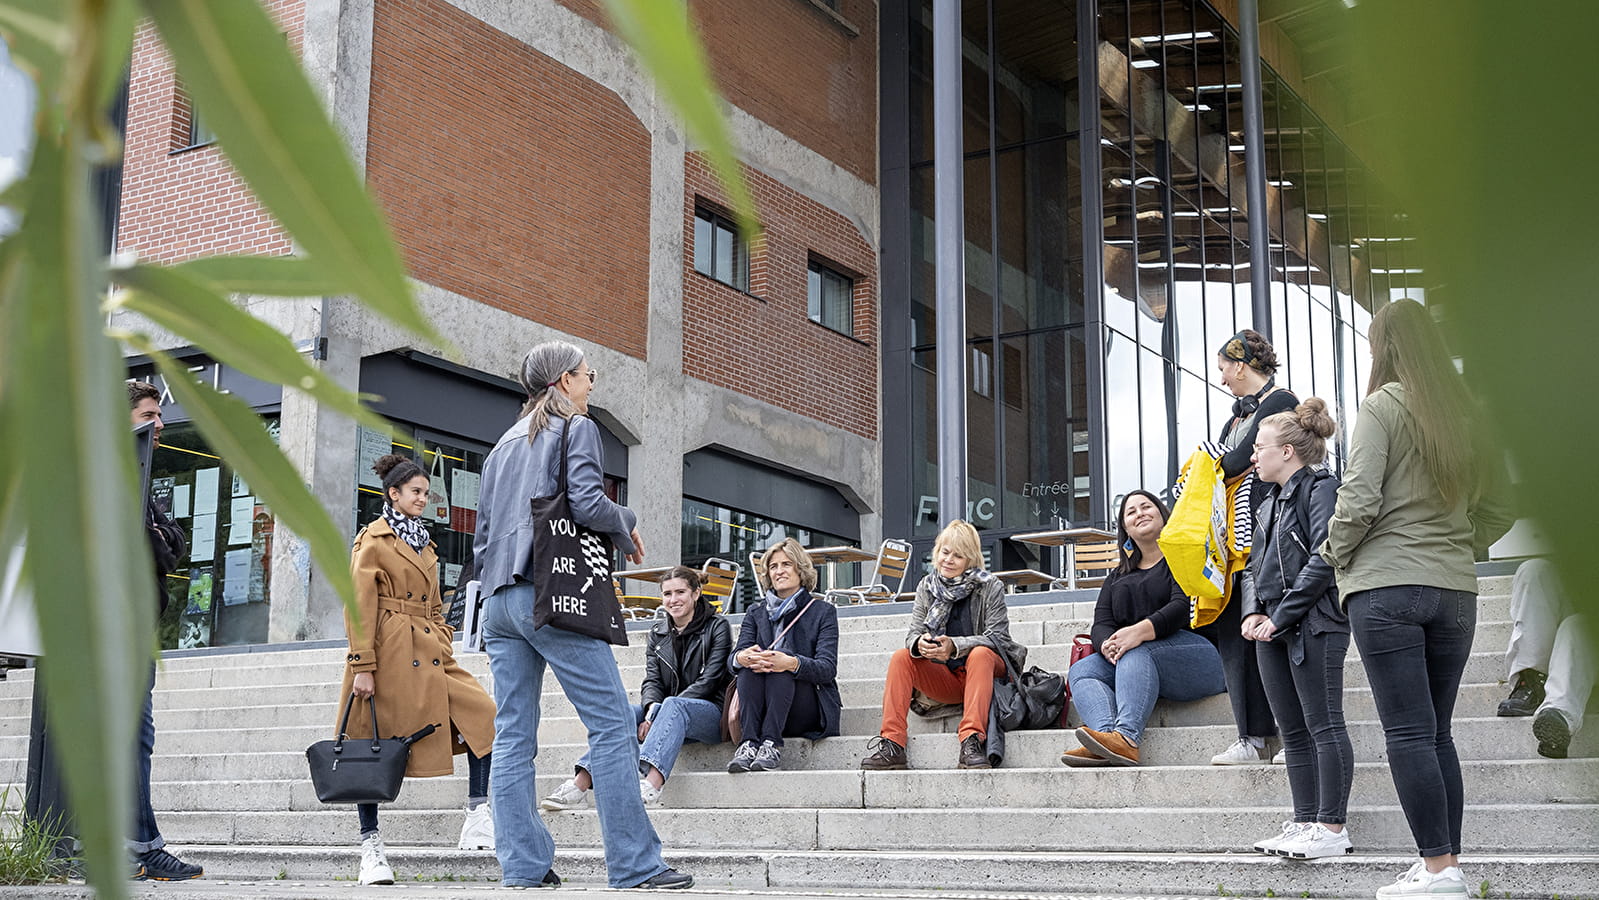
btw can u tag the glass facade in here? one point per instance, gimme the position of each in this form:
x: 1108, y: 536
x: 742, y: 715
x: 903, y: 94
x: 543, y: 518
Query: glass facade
x: 1173, y: 239
x: 711, y: 530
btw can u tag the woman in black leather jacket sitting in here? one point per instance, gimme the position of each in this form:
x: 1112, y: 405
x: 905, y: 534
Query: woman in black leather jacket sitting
x: 685, y: 678
x: 1291, y: 610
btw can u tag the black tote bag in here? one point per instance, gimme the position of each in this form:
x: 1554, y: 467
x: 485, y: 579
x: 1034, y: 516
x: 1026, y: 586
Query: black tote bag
x: 571, y: 569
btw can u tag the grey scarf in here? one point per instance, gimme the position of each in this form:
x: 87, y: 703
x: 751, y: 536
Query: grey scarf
x: 776, y: 608
x: 410, y: 530
x: 949, y: 591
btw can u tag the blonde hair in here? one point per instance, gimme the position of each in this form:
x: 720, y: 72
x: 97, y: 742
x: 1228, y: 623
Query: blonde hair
x: 541, y: 373
x: 1305, y: 428
x: 796, y: 554
x: 961, y: 538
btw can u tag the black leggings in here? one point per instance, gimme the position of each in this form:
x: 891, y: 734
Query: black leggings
x: 774, y: 704
x: 477, y: 788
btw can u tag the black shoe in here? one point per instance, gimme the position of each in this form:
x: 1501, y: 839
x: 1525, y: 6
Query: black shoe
x: 1553, y: 733
x: 885, y: 755
x: 973, y: 754
x: 670, y: 880
x: 159, y: 865
x: 1525, y: 696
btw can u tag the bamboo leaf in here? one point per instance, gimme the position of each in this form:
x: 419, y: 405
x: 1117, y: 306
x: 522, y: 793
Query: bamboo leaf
x: 37, y: 37
x: 95, y: 585
x: 267, y: 276
x: 236, y: 433
x: 661, y: 35
x: 275, y: 133
x: 192, y: 310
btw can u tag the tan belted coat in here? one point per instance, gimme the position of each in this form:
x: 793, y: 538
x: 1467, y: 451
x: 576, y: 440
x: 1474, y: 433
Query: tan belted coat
x: 404, y: 642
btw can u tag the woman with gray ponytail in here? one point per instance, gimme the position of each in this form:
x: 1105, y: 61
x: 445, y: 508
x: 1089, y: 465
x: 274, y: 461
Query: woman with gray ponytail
x: 525, y: 464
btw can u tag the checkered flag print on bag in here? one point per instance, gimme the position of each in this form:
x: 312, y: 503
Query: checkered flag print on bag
x: 598, y: 558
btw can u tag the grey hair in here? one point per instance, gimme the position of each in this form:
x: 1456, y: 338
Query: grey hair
x: 542, y: 367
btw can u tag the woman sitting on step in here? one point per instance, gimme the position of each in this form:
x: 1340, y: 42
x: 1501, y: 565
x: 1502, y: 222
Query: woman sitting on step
x: 400, y: 659
x: 786, y: 662
x: 958, y: 643
x: 685, y: 678
x: 1145, y: 648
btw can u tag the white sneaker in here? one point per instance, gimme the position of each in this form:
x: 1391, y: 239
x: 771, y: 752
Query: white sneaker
x: 1418, y: 882
x: 374, y: 867
x: 649, y: 793
x: 1281, y: 759
x: 1316, y: 841
x: 1290, y: 829
x: 567, y: 796
x: 1242, y: 753
x: 477, y: 832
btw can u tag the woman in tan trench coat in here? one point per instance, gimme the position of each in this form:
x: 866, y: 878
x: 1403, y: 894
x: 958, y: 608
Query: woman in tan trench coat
x: 400, y: 657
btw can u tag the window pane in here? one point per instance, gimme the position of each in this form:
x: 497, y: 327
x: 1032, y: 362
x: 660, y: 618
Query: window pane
x: 703, y: 244
x: 726, y: 241
x: 1121, y: 413
x: 837, y: 294
x: 813, y: 294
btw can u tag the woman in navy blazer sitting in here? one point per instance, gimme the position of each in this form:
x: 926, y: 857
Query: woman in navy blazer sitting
x: 786, y: 661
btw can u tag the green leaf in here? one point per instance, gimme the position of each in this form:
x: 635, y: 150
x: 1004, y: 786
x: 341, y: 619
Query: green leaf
x: 190, y: 309
x: 236, y: 433
x: 38, y: 37
x: 68, y: 421
x: 267, y: 276
x: 660, y: 34
x: 234, y: 62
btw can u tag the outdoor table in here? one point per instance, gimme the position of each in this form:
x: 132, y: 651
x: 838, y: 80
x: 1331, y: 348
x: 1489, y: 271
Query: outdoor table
x: 832, y: 556
x: 643, y: 574
x: 1066, y: 540
x: 1018, y: 578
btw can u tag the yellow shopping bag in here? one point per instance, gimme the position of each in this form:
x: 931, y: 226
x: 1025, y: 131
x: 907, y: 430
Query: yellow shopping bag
x: 1199, y: 540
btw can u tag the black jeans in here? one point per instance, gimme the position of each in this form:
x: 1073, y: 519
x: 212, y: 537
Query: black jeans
x: 774, y: 704
x: 1309, y: 702
x: 477, y: 788
x: 1241, y: 670
x: 1410, y: 636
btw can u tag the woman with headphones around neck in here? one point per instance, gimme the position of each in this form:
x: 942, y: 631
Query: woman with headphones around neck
x: 1248, y: 366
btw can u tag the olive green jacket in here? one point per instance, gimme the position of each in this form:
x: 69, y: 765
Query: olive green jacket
x: 1391, y: 526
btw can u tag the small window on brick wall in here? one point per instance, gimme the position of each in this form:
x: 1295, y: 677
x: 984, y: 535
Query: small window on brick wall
x: 719, y: 250
x: 830, y: 298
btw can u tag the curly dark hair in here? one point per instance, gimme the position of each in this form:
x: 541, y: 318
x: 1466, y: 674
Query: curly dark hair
x: 1251, y: 348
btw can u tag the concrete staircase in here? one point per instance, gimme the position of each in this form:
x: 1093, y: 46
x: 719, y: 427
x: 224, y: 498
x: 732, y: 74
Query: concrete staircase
x: 1173, y: 826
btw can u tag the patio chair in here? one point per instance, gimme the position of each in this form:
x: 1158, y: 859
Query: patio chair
x: 719, y: 581
x: 886, y: 581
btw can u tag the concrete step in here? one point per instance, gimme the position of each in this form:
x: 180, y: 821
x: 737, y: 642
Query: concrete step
x: 1552, y: 828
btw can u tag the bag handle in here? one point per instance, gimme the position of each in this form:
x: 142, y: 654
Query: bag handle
x: 344, y: 724
x: 560, y: 480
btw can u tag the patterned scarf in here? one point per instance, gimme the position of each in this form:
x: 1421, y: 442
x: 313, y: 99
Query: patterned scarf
x: 949, y: 591
x: 410, y: 530
x: 776, y: 608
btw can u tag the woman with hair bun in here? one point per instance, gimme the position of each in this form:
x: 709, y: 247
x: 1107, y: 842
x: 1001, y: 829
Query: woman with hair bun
x: 400, y: 660
x: 1290, y: 610
x: 1247, y: 365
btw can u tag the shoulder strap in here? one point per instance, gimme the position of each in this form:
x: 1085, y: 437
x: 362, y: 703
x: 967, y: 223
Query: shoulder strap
x: 791, y: 622
x: 560, y: 480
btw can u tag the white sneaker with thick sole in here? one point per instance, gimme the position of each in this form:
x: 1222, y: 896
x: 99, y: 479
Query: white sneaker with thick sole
x: 1269, y: 845
x: 567, y: 796
x: 1281, y: 759
x: 374, y: 866
x: 477, y: 832
x: 1242, y: 753
x: 1418, y: 882
x: 1316, y: 841
x: 649, y: 793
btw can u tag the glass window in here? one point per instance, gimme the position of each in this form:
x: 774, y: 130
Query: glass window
x: 1122, y: 423
x: 218, y: 595
x: 719, y: 250
x: 1157, y: 386
x: 711, y: 530
x: 830, y: 298
x: 1045, y: 422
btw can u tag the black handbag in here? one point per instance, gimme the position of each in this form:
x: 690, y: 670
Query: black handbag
x: 360, y: 771
x: 571, y: 567
x: 1033, y: 701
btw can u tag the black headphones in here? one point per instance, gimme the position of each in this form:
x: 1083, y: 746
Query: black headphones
x: 1246, y: 406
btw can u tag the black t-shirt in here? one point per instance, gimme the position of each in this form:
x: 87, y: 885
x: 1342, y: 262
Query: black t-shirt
x: 1150, y: 593
x: 1237, y: 460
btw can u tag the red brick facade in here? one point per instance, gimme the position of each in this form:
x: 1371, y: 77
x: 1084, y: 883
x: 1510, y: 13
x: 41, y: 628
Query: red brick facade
x: 177, y: 202
x: 762, y: 344
x: 509, y: 178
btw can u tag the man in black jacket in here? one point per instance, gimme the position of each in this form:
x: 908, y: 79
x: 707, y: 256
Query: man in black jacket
x: 167, y: 547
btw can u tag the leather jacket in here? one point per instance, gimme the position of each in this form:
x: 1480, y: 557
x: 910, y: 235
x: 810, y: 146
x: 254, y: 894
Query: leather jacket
x: 1286, y: 580
x: 701, y: 673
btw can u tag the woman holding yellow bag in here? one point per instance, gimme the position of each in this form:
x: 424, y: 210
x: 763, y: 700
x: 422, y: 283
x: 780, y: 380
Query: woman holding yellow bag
x: 1247, y: 365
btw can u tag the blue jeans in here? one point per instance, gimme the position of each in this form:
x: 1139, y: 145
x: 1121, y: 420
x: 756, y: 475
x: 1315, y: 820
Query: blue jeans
x: 1309, y: 702
x: 680, y: 719
x: 146, y: 835
x: 587, y: 671
x: 1412, y: 636
x: 1120, y: 697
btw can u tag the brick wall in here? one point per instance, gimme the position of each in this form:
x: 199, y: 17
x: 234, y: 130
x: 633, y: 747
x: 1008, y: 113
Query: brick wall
x: 795, y: 68
x: 178, y: 203
x: 507, y: 177
x: 762, y: 344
